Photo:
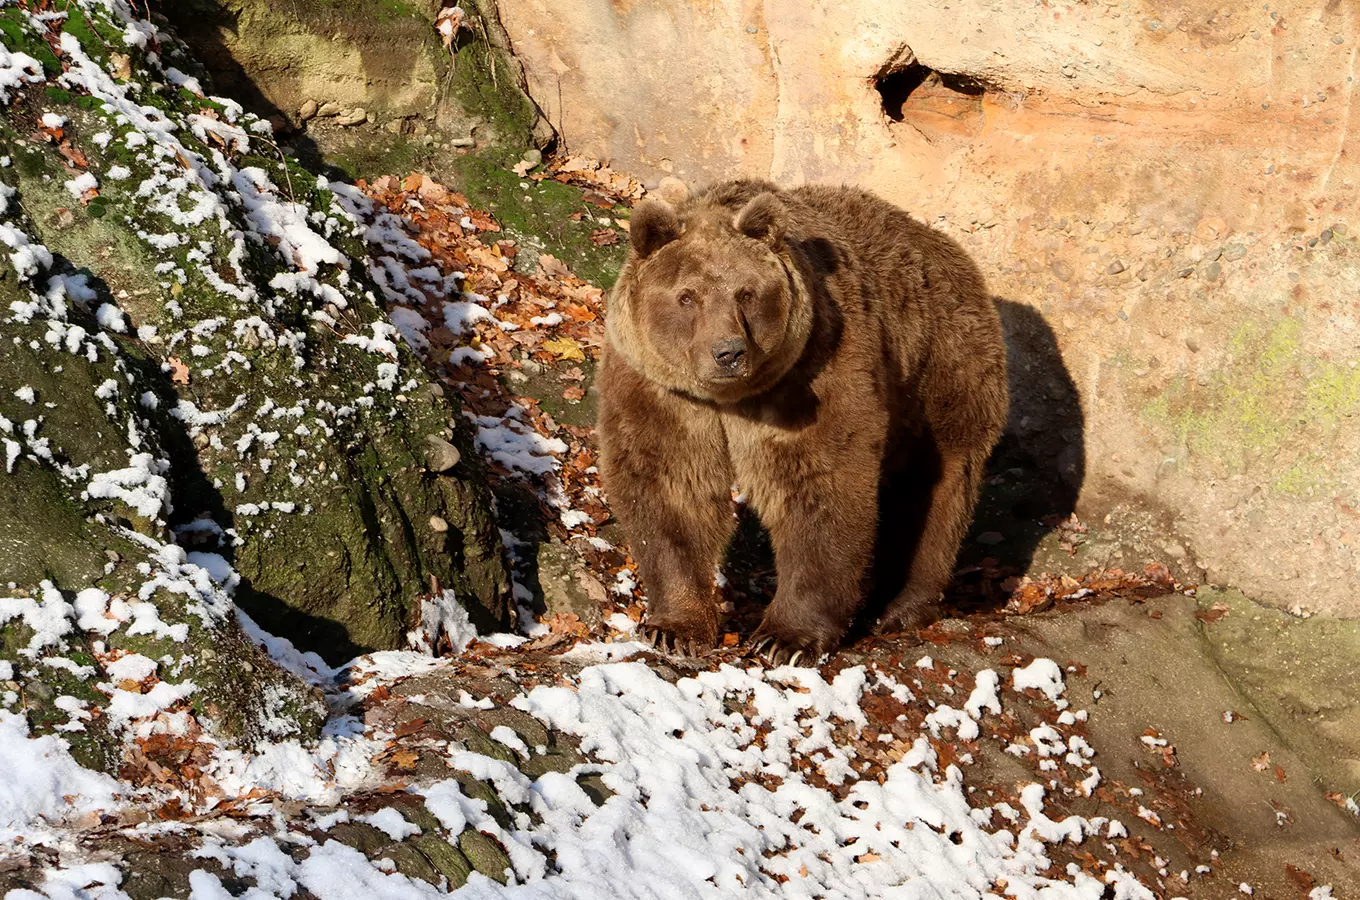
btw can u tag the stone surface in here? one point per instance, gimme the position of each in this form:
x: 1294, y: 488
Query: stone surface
x: 1138, y: 665
x: 1206, y: 148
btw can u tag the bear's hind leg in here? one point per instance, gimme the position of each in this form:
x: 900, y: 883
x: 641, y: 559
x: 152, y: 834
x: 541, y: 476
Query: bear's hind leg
x: 952, y: 500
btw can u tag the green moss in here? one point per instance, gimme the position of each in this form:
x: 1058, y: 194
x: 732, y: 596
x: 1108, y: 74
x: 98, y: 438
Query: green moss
x: 1257, y: 402
x: 19, y: 36
x: 542, y: 217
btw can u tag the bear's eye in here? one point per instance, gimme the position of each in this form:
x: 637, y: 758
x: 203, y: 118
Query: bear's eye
x: 745, y: 295
x: 686, y: 298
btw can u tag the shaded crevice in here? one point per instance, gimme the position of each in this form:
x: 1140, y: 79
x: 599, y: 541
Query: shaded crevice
x: 897, y: 83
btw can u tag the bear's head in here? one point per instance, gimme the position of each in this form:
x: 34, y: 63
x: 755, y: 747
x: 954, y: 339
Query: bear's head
x: 710, y: 301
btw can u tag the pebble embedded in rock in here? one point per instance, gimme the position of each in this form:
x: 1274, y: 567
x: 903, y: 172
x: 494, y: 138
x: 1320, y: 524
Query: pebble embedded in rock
x: 329, y: 108
x: 438, y: 525
x: 356, y: 116
x: 1212, y: 271
x: 1234, y: 252
x: 308, y: 110
x: 440, y: 455
x: 1061, y: 270
x: 1115, y: 267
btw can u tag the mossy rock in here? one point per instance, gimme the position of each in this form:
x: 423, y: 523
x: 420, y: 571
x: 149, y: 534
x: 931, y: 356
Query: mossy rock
x: 327, y: 518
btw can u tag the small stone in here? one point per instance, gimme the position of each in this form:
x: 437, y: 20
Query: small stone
x: 356, y: 116
x: 440, y: 455
x: 308, y: 110
x: 1115, y: 267
x: 1122, y: 315
x: 438, y: 525
x: 672, y: 190
x: 112, y: 556
x: 1326, y: 236
x: 1210, y: 228
x: 329, y: 108
x: 751, y: 29
x: 1061, y: 270
x: 396, y: 126
x: 1145, y: 273
x: 1339, y: 228
x: 1234, y: 252
x: 468, y: 141
x: 1338, y: 39
x: 1186, y: 272
x: 1212, y: 271
x: 533, y: 156
x: 1192, y: 344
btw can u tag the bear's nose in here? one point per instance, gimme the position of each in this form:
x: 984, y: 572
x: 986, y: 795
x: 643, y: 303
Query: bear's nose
x: 729, y: 353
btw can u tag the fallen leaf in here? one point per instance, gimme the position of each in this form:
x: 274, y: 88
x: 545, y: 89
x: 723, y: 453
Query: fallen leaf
x: 595, y: 198
x: 578, y: 164
x: 1279, y: 774
x: 574, y: 394
x: 566, y: 623
x: 604, y: 237
x: 1302, y: 879
x: 1212, y: 614
x: 73, y: 155
x: 405, y: 759
x: 564, y: 348
x: 179, y: 372
x: 410, y: 727
x: 731, y: 639
x: 1262, y: 762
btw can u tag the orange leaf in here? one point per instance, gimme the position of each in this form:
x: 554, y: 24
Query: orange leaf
x: 409, y: 727
x: 1212, y: 614
x: 1262, y: 762
x: 179, y: 372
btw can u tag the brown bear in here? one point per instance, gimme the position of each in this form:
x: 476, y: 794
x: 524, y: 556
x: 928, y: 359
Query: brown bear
x: 839, y: 361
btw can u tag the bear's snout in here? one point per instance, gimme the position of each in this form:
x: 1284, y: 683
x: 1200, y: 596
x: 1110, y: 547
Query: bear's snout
x: 729, y: 354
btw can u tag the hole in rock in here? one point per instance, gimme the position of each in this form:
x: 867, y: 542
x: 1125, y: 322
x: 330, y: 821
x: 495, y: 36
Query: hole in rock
x: 912, y: 82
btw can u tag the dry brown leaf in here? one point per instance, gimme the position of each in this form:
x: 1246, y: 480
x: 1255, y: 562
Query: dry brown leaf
x: 448, y: 23
x: 410, y: 727
x: 565, y: 348
x: 405, y: 759
x: 179, y: 372
x: 1262, y: 762
x: 1212, y: 614
x: 604, y: 237
x: 551, y: 267
x: 574, y: 394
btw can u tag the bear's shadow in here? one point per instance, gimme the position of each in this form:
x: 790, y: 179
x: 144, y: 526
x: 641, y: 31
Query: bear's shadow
x: 1034, y: 477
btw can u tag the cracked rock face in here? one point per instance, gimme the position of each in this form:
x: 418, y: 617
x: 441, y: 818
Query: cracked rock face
x: 1161, y: 194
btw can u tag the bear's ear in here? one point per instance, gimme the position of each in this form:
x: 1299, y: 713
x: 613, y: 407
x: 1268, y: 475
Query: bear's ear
x: 764, y: 218
x: 653, y: 225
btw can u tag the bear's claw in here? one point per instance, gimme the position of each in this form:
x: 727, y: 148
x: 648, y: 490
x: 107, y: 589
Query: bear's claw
x: 778, y: 653
x: 667, y: 641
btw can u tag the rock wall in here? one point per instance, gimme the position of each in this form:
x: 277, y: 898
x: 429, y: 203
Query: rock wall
x: 1159, y: 191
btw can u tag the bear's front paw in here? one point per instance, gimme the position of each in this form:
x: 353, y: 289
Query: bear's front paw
x: 908, y: 618
x: 682, y: 638
x: 781, y: 646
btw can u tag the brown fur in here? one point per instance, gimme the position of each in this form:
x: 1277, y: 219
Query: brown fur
x: 827, y: 353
